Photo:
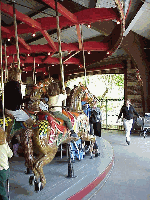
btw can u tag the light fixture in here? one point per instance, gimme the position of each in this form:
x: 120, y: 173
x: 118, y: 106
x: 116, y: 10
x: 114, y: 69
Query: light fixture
x: 28, y: 54
x: 7, y: 56
x: 108, y: 52
x: 33, y: 34
x: 66, y: 65
x: 52, y: 65
x: 89, y: 52
x: 38, y: 65
x: 89, y: 25
x: 9, y: 39
x: 118, y: 22
x: 49, y: 53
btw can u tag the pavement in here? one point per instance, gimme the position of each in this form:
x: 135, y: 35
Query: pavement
x: 129, y: 179
x: 88, y: 174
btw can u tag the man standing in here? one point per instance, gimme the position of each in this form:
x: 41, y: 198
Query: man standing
x: 127, y: 110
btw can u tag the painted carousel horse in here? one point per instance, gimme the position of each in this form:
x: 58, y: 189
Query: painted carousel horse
x: 45, y: 135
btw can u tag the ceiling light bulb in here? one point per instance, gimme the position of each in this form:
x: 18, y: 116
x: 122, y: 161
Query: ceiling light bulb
x: 33, y: 34
x: 28, y: 54
x: 89, y: 52
x: 108, y: 52
x: 9, y: 39
x: 89, y: 25
x: 49, y: 53
x: 118, y: 22
x: 53, y: 65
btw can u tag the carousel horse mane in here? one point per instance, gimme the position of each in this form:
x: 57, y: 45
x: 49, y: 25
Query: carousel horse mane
x: 81, y: 93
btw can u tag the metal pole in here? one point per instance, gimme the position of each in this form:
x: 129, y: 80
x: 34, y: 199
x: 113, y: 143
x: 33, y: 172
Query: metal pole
x: 83, y: 58
x: 106, y: 113
x: 16, y: 35
x: 49, y: 72
x: 6, y: 70
x: 2, y: 79
x: 60, y: 52
x: 34, y: 70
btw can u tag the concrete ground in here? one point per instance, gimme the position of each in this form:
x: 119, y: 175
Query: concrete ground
x: 130, y: 177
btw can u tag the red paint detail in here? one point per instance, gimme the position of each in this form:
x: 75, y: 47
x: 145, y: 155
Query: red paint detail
x: 62, y: 10
x: 24, y: 43
x: 48, y: 38
x: 5, y: 30
x: 24, y: 18
x: 73, y: 61
x: 82, y: 193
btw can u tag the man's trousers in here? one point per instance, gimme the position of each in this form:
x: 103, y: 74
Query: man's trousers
x: 128, y: 126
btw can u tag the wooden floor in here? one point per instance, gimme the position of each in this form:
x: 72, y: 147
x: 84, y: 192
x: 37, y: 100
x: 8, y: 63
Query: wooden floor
x: 58, y: 186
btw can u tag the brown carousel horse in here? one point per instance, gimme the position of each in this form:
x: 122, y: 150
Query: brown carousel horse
x: 46, y: 134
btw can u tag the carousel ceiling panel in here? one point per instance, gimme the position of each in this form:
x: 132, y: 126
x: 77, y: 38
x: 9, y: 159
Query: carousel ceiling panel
x: 26, y: 6
x: 142, y: 21
x: 49, y: 12
x: 70, y: 35
x: 84, y: 3
x: 105, y: 4
x: 40, y: 41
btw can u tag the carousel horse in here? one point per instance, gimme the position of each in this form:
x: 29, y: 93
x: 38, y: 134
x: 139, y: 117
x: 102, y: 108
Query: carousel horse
x: 45, y: 135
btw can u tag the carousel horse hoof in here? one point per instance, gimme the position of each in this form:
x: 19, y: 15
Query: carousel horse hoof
x: 32, y: 180
x: 38, y: 186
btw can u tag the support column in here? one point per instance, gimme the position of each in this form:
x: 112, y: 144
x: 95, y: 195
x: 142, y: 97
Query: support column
x: 134, y: 46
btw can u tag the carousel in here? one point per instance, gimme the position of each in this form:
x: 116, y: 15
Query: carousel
x: 41, y: 139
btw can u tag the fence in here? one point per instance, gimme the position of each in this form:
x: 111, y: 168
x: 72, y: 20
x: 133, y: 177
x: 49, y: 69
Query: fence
x: 110, y: 109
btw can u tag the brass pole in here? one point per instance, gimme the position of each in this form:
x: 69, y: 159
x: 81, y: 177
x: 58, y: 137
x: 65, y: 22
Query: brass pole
x: 83, y: 57
x: 16, y: 35
x: 2, y: 72
x: 6, y: 70
x: 60, y: 52
x: 34, y: 70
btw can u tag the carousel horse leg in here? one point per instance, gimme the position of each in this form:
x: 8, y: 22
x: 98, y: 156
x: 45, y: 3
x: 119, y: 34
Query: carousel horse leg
x: 28, y: 150
x: 38, y: 168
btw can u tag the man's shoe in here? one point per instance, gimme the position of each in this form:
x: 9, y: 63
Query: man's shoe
x: 128, y: 142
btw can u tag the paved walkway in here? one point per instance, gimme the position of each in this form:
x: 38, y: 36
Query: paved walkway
x: 130, y: 177
x: 58, y: 187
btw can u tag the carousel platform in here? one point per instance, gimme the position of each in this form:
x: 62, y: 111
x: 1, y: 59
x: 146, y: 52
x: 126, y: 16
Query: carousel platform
x: 88, y: 174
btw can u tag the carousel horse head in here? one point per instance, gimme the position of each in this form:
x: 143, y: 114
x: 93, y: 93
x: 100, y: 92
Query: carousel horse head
x: 3, y: 136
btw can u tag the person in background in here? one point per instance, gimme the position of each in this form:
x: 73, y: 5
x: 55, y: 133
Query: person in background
x: 13, y: 97
x: 5, y: 153
x: 15, y: 144
x: 127, y: 110
x: 44, y: 102
x: 55, y: 106
x: 68, y: 99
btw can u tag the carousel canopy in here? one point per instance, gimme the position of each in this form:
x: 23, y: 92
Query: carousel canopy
x: 90, y: 31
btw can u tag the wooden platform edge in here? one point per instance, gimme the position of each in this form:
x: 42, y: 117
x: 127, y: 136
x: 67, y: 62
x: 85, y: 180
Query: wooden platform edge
x: 86, y: 190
